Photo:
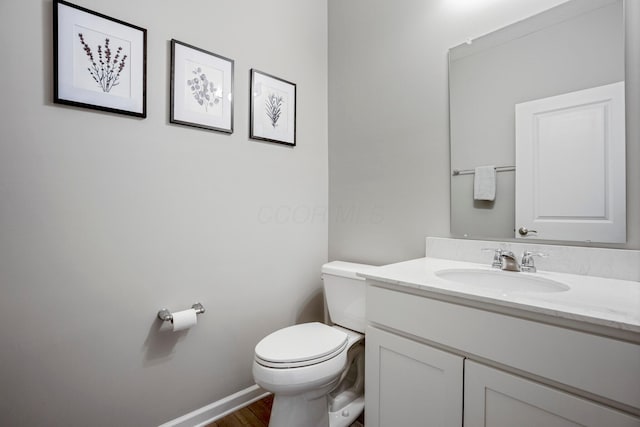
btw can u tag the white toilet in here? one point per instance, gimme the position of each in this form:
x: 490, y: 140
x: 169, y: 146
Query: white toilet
x: 315, y: 371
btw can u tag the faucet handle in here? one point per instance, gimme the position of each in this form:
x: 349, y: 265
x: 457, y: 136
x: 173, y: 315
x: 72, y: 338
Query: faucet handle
x: 497, y: 253
x: 527, y: 264
x: 531, y: 254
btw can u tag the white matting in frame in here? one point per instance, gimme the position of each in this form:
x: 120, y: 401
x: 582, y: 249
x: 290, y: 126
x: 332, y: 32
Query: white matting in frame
x: 99, y: 62
x: 201, y: 88
x: 273, y: 109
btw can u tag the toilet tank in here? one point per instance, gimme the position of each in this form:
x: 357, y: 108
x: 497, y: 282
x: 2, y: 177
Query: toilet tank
x: 345, y: 293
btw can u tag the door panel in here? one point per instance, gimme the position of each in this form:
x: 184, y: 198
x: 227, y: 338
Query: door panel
x: 410, y: 383
x: 570, y: 166
x: 493, y: 398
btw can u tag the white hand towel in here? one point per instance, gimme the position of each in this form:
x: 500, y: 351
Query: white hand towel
x: 484, y: 183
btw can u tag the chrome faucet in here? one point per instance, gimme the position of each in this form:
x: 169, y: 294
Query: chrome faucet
x: 528, y: 266
x: 497, y: 252
x: 503, y: 259
x: 508, y: 261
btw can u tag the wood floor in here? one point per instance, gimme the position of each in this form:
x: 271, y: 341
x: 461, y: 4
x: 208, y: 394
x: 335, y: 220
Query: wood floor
x: 255, y: 415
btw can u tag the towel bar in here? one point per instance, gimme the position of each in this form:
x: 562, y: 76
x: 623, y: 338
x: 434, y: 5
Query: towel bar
x: 457, y: 172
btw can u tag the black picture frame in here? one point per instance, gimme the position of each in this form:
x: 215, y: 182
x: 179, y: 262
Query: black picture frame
x: 272, y: 109
x: 99, y: 62
x: 201, y: 92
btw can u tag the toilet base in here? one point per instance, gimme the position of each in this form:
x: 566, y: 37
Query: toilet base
x: 299, y: 411
x: 347, y: 415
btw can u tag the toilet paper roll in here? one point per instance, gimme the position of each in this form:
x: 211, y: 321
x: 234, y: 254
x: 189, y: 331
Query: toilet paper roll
x: 184, y: 319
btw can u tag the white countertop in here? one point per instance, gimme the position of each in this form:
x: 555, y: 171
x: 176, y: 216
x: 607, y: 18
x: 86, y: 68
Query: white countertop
x: 598, y: 301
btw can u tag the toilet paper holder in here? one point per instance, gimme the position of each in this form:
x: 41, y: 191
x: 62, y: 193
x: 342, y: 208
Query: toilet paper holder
x: 166, y: 316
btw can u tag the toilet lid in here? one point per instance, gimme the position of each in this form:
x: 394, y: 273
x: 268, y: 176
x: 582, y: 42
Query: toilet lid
x: 300, y: 345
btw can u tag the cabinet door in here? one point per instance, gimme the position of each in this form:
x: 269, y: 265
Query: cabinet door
x: 493, y: 398
x: 410, y: 384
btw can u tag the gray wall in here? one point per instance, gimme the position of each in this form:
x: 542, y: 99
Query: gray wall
x: 105, y: 219
x: 388, y: 119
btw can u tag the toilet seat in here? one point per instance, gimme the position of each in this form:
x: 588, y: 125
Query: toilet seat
x: 300, y: 345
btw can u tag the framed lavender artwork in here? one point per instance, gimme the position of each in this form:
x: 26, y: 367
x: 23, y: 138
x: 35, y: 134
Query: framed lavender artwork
x: 99, y: 62
x: 201, y: 88
x: 273, y: 109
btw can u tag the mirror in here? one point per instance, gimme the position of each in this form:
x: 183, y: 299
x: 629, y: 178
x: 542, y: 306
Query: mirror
x: 575, y: 46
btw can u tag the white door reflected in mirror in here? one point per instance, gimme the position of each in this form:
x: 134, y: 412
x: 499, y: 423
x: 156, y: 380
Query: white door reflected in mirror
x: 570, y: 162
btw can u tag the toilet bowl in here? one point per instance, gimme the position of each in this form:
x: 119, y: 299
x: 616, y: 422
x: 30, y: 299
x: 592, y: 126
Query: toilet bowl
x: 316, y: 371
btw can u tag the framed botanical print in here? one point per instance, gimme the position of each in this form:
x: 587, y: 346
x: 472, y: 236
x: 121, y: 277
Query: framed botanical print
x: 201, y: 88
x: 99, y: 61
x: 273, y: 109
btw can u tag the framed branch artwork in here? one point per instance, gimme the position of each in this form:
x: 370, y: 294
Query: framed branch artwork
x: 99, y: 61
x: 201, y: 88
x: 273, y: 109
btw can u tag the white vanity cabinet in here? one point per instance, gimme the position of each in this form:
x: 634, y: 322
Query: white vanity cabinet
x: 493, y: 398
x: 411, y: 384
x: 429, y: 356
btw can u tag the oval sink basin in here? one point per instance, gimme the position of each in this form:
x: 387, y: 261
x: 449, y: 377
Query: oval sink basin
x: 505, y: 281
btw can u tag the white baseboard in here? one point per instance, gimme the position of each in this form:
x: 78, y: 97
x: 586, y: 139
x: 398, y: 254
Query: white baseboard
x: 216, y: 410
